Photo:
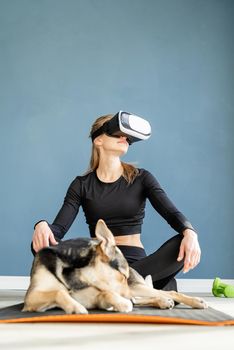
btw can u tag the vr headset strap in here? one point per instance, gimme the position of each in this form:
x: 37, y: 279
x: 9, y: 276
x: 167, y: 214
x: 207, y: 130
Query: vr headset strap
x: 105, y: 128
x: 99, y: 131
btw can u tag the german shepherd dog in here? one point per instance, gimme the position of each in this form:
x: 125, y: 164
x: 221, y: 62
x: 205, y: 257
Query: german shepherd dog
x: 81, y: 274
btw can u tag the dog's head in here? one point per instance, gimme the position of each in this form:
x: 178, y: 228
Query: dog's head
x: 108, y: 251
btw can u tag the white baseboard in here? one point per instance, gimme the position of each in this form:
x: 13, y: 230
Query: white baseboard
x: 184, y: 285
x: 14, y: 282
x: 198, y: 285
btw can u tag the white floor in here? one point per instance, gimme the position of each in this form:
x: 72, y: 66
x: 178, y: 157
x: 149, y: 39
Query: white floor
x: 115, y: 336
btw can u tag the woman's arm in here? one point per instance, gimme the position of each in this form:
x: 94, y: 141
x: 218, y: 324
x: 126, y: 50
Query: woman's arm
x: 163, y: 205
x: 45, y: 233
x: 189, y: 249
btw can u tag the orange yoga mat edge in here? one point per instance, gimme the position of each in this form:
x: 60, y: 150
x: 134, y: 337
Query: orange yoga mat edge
x: 119, y: 318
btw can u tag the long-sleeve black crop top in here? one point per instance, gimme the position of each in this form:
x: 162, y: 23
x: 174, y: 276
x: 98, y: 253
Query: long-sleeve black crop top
x: 119, y: 204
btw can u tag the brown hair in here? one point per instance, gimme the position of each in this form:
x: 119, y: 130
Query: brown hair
x: 129, y: 170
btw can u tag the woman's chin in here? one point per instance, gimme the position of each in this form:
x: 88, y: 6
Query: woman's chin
x: 121, y: 152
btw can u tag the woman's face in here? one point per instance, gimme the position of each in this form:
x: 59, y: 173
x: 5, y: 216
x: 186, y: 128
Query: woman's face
x: 118, y: 145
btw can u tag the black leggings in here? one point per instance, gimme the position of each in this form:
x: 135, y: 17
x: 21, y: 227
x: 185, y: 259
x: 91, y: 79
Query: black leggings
x: 162, y: 265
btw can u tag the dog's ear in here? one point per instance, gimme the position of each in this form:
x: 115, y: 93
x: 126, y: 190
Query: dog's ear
x: 104, y: 235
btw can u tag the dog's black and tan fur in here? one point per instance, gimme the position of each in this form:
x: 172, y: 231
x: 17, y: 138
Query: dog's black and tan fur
x: 81, y: 274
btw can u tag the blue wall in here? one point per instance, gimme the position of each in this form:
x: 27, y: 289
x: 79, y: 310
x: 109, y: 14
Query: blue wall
x: 63, y: 63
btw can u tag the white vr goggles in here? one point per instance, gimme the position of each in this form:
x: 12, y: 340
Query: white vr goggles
x: 125, y: 124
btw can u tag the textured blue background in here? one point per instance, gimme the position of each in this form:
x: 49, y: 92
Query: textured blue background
x: 64, y: 63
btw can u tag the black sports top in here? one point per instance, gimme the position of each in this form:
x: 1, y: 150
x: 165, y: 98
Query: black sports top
x: 119, y: 204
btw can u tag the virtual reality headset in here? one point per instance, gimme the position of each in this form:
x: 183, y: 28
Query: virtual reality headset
x: 131, y: 126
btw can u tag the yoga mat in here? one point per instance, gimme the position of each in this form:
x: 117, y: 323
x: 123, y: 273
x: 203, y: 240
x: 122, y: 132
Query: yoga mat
x: 181, y: 314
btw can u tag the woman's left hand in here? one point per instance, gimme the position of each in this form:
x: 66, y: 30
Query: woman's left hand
x: 190, y: 250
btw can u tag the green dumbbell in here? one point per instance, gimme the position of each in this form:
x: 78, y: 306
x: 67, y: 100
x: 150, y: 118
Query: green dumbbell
x: 219, y: 289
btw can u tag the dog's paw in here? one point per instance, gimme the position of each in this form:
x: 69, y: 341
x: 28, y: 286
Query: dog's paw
x: 76, y: 308
x: 124, y: 306
x: 166, y: 303
x: 199, y: 303
x: 28, y: 309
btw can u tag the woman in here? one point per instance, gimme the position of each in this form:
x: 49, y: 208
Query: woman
x: 116, y: 192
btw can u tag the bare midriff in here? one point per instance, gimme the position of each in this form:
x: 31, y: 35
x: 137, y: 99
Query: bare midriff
x: 132, y: 240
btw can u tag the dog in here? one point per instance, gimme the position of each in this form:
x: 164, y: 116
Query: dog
x: 91, y: 273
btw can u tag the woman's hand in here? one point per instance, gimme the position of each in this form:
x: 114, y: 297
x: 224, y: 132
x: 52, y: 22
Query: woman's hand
x: 42, y: 236
x: 190, y: 250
